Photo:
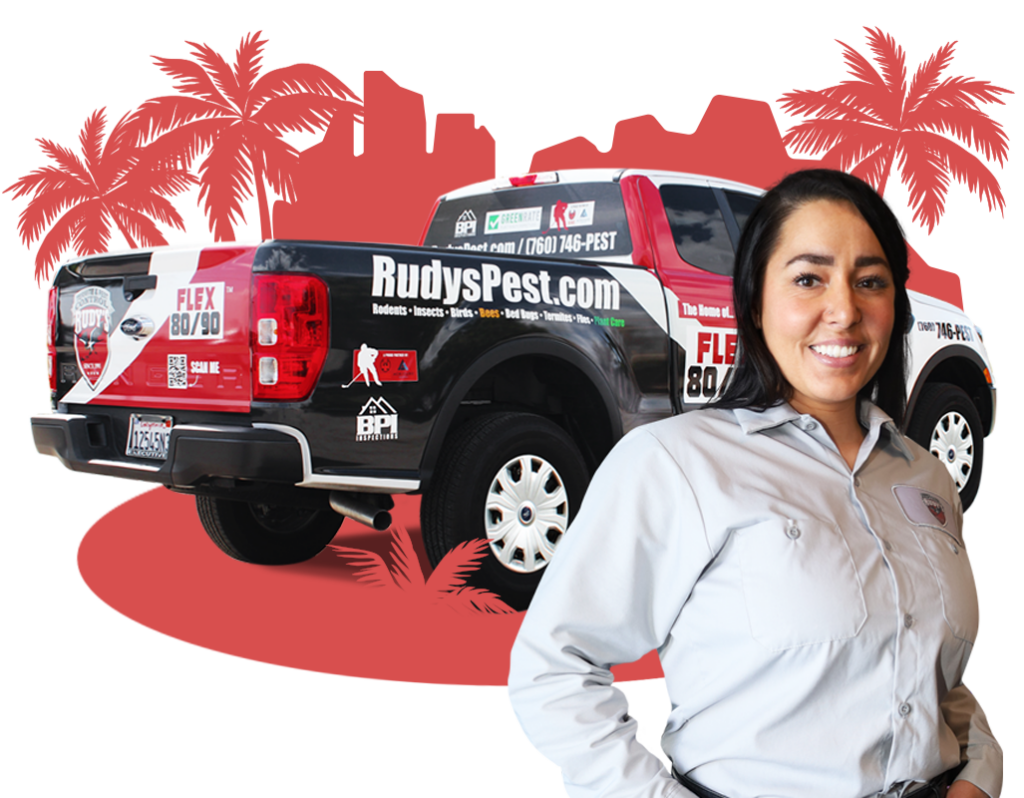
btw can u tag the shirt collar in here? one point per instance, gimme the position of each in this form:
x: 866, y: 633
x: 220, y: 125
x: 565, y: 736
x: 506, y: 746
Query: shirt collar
x: 751, y: 420
x: 871, y: 416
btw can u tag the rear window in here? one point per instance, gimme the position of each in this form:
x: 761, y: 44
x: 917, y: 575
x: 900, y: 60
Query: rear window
x: 567, y: 220
x: 698, y: 227
x: 742, y: 206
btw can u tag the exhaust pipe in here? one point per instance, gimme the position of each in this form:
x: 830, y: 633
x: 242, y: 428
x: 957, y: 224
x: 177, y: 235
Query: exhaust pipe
x: 361, y: 510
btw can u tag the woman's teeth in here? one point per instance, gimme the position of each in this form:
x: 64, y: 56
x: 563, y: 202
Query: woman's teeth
x: 832, y: 350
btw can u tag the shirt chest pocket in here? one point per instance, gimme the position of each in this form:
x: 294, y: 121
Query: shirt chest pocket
x: 948, y: 560
x: 800, y: 583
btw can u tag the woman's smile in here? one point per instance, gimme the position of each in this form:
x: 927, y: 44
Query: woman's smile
x: 836, y: 351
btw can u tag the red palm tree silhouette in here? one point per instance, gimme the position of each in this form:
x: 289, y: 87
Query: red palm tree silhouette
x: 446, y: 585
x: 881, y: 87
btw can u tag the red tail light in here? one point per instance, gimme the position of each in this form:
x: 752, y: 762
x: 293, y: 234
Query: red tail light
x: 51, y: 338
x: 289, y: 335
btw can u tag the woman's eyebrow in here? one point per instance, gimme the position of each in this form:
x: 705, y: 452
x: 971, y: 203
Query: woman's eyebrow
x: 828, y: 260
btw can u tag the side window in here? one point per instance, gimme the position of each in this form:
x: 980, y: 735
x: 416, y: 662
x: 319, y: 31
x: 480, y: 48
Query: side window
x: 742, y: 206
x: 698, y: 227
x: 564, y: 220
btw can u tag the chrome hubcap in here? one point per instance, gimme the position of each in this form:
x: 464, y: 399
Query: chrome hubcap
x: 526, y: 514
x: 953, y: 443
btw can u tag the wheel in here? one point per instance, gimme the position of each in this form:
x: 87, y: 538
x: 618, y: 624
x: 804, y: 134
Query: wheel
x: 516, y: 479
x: 947, y: 424
x: 266, y: 534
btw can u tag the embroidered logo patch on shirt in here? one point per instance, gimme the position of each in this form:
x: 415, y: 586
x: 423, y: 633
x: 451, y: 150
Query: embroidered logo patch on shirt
x: 935, y: 506
x: 923, y: 508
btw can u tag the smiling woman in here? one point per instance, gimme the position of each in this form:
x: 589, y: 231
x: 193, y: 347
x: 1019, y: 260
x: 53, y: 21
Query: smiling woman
x: 797, y: 562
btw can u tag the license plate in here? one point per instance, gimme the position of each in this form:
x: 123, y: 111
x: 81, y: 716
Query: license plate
x: 148, y: 436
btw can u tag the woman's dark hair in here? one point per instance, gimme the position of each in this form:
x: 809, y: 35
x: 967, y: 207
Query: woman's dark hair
x: 757, y: 382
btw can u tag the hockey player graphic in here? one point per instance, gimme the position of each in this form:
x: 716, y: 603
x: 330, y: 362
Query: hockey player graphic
x: 559, y: 215
x: 366, y: 361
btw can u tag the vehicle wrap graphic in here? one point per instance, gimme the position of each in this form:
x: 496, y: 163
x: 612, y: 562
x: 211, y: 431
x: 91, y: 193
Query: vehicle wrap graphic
x: 183, y: 341
x: 377, y: 421
x: 707, y: 334
x: 571, y: 214
x: 93, y: 312
x: 380, y: 366
x: 947, y: 330
x: 490, y: 283
x: 177, y: 372
x: 575, y: 220
x: 938, y: 325
x: 465, y: 226
x: 172, y: 267
x: 513, y: 221
x: 199, y: 312
x: 607, y: 243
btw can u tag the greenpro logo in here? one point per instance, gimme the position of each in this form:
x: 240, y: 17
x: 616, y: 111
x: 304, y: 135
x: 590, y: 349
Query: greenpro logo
x: 517, y: 220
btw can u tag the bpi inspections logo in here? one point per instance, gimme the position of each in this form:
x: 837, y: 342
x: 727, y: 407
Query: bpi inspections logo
x: 377, y: 421
x: 465, y: 225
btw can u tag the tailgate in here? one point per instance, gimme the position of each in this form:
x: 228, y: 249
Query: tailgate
x: 166, y: 329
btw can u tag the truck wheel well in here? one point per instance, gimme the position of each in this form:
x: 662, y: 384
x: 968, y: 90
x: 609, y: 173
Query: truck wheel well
x: 964, y: 373
x: 547, y: 386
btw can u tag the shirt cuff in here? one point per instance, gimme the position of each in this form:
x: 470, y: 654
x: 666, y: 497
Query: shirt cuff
x: 986, y: 773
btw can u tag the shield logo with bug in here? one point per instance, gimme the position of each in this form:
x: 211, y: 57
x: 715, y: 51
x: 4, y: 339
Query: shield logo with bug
x: 93, y: 314
x: 935, y: 507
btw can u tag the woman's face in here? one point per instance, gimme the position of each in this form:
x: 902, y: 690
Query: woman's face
x: 827, y: 305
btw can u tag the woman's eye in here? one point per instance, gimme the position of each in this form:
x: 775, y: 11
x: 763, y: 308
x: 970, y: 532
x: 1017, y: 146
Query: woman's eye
x: 807, y: 280
x: 874, y: 281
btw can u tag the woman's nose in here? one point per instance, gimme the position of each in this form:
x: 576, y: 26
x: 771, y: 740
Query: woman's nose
x: 842, y: 306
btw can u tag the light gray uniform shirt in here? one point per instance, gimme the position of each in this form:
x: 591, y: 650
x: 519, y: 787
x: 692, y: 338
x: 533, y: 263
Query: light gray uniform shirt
x: 813, y: 622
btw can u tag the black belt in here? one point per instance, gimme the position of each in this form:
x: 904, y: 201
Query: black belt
x: 936, y: 788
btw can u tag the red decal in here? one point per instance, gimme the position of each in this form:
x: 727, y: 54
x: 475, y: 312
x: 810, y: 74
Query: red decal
x: 721, y: 347
x: 560, y: 208
x: 703, y: 345
x: 376, y: 366
x: 730, y: 348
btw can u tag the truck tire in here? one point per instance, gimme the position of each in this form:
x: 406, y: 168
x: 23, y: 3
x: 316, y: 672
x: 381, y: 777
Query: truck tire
x: 266, y: 534
x: 514, y: 478
x: 947, y: 424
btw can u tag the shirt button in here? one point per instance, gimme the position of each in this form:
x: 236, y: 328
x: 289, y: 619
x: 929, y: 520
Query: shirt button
x: 904, y: 709
x: 908, y: 620
x: 810, y: 424
x: 792, y: 531
x: 856, y: 482
x: 888, y: 545
x: 953, y: 548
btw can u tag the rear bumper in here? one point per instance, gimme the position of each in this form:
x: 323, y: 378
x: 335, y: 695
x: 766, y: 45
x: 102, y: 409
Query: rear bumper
x: 196, y: 452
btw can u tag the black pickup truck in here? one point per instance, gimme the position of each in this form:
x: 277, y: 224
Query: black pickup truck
x: 291, y: 383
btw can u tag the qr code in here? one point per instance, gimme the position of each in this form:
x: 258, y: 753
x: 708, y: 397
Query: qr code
x: 177, y: 371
